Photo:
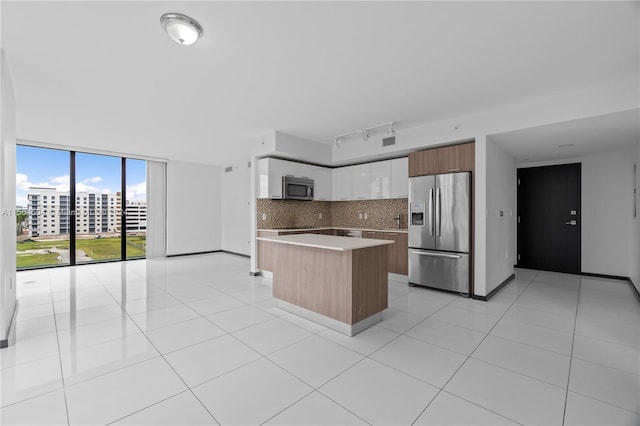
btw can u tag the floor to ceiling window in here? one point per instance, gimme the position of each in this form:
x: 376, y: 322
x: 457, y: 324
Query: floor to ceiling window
x: 42, y: 207
x: 98, y: 203
x: 75, y: 208
x: 136, y: 205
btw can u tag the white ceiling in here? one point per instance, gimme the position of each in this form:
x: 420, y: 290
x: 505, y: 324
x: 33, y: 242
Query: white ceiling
x: 104, y: 75
x: 571, y: 139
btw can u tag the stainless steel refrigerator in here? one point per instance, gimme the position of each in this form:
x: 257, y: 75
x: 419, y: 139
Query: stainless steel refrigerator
x: 439, y: 231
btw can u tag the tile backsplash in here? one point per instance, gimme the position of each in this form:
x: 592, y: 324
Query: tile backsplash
x: 281, y: 214
x: 288, y: 214
x: 380, y: 213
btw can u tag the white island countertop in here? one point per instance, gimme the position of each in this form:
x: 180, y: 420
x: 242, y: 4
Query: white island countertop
x: 328, y: 242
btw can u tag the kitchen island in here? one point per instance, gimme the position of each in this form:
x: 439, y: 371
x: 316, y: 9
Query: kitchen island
x: 338, y: 282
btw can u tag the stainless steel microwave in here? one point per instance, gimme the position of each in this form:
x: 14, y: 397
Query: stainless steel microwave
x: 294, y: 188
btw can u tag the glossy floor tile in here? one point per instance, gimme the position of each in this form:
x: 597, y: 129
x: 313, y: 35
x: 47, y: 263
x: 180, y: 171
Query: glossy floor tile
x: 251, y: 394
x: 196, y: 340
x: 316, y: 409
x: 182, y: 409
x: 447, y: 409
x: 380, y: 394
x: 315, y: 360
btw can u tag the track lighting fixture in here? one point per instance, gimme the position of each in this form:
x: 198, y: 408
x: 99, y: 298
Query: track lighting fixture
x: 365, y: 133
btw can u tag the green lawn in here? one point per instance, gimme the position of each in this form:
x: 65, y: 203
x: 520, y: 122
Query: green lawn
x: 97, y: 249
x: 33, y: 260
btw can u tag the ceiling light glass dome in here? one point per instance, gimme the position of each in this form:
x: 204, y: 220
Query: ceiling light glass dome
x: 181, y: 28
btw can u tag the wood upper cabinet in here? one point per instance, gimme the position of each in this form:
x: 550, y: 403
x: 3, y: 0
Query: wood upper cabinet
x: 448, y: 159
x: 456, y: 158
x: 423, y: 163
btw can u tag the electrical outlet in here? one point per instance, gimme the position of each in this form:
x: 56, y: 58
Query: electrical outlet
x: 506, y: 255
x: 366, y: 216
x: 360, y: 216
x: 264, y: 216
x: 320, y: 215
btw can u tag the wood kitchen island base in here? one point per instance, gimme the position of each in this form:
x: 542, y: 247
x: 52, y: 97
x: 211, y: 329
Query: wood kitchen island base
x: 338, y: 282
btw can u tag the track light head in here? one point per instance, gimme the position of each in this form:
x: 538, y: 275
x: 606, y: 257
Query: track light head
x: 391, y: 131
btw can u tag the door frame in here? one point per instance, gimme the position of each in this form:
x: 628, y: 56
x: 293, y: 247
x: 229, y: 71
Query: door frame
x: 579, y: 225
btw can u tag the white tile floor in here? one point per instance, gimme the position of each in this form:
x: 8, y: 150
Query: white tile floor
x: 196, y: 340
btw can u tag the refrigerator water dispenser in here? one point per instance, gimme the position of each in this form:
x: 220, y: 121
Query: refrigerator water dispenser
x: 417, y: 214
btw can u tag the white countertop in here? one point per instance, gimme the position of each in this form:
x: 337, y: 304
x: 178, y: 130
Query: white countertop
x: 319, y: 228
x: 328, y: 242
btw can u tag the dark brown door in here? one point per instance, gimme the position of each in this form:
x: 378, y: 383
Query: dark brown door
x: 549, y: 218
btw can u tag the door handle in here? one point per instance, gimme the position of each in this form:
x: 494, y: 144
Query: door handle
x: 430, y: 211
x: 438, y: 212
x: 571, y: 222
x: 432, y: 254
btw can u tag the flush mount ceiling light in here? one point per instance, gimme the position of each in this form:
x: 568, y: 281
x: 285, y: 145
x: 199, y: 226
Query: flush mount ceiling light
x: 365, y: 133
x: 181, y: 28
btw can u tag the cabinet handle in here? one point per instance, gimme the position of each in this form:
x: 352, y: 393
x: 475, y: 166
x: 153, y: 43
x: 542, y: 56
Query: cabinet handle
x: 454, y: 170
x: 394, y: 235
x: 360, y: 198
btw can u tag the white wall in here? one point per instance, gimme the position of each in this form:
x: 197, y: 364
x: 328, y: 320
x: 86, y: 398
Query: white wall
x: 480, y: 231
x: 607, y: 212
x: 236, y: 209
x: 500, y: 230
x: 607, y: 238
x: 7, y: 198
x: 193, y: 208
x: 634, y: 252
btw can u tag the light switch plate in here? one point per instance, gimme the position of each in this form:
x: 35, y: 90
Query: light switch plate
x: 264, y: 216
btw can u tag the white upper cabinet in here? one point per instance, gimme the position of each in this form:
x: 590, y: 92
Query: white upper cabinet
x: 342, y: 184
x: 361, y: 181
x: 270, y: 172
x: 400, y: 178
x: 380, y: 179
x: 322, y: 188
x: 276, y: 169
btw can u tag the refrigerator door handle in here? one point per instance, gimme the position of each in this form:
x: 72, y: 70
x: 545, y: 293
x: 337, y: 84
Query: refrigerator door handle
x: 432, y: 254
x: 431, y: 212
x: 438, y: 212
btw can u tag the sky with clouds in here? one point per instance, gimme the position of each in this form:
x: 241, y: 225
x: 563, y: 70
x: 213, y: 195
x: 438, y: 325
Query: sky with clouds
x: 49, y: 168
